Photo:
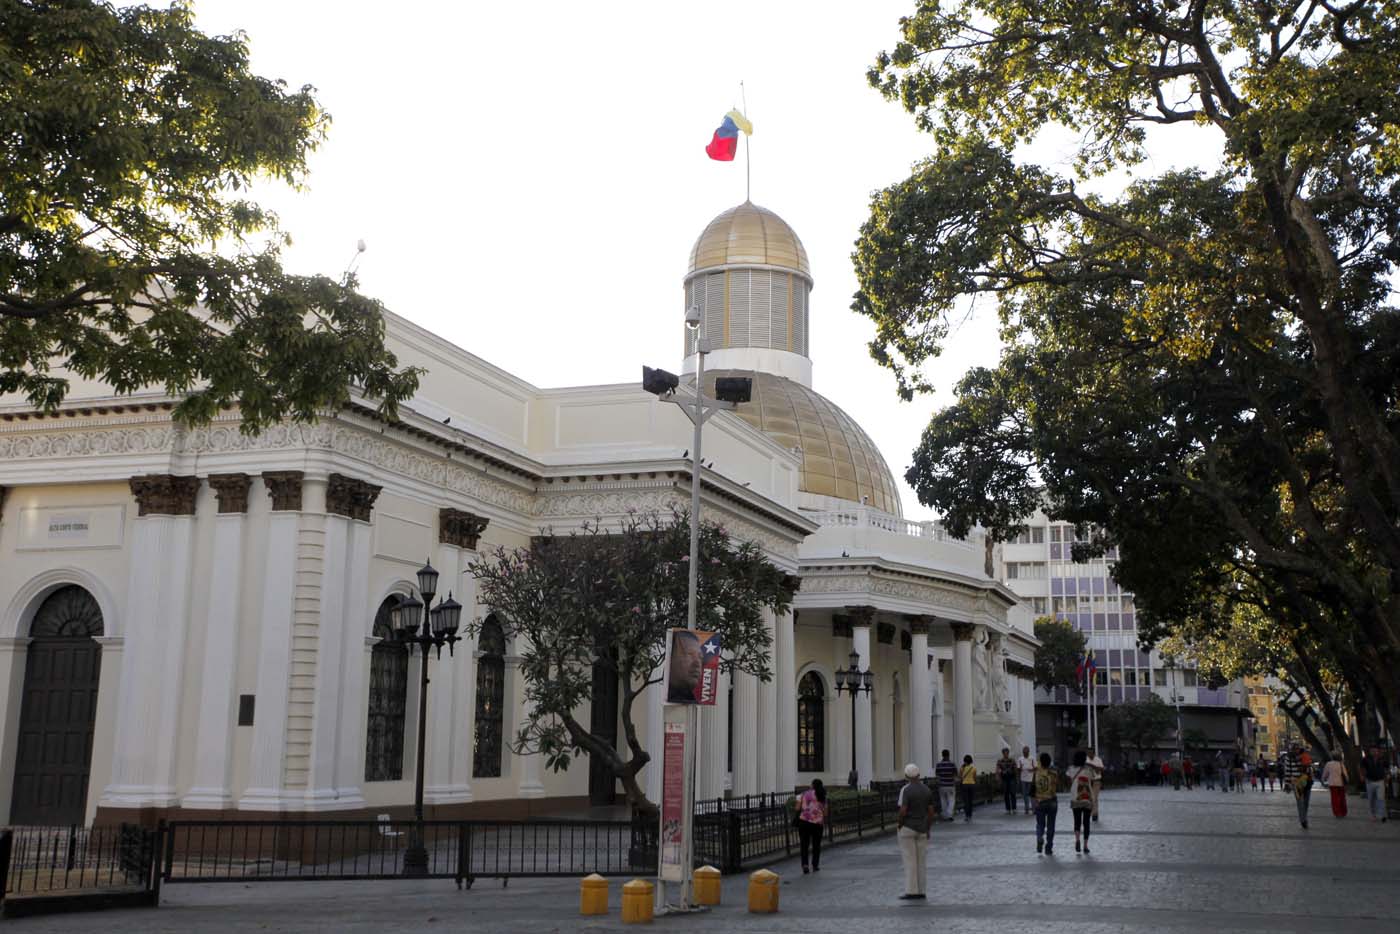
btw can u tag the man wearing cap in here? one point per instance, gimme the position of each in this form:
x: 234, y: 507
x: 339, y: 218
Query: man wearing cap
x: 915, y: 823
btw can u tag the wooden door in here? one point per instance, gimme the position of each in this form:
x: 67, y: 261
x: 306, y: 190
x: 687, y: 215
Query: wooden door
x: 58, y: 711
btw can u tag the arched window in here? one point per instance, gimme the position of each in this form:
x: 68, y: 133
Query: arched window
x: 388, y: 699
x: 490, y: 700
x: 811, y: 723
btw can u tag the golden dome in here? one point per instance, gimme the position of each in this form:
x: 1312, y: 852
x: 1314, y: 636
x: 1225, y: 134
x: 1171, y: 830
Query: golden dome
x: 748, y: 235
x: 838, y: 457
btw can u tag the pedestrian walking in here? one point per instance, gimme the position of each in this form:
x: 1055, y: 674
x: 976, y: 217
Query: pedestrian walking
x: 913, y: 826
x: 967, y: 779
x: 1334, y: 776
x: 945, y: 773
x: 1374, y: 769
x: 1081, y: 797
x: 1026, y: 765
x: 1006, y: 771
x: 812, y: 813
x: 1208, y: 767
x: 1269, y: 771
x: 1188, y: 772
x: 1047, y: 805
x: 1237, y: 773
x: 1302, y: 793
x: 1095, y: 763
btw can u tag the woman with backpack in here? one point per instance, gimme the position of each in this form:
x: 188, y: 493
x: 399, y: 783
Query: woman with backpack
x: 967, y: 783
x: 1081, y: 796
x: 812, y: 811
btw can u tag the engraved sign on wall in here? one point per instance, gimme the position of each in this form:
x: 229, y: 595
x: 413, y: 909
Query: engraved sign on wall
x: 42, y: 528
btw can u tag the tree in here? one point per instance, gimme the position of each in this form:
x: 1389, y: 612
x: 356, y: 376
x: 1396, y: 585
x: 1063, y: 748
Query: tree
x: 1139, y: 724
x: 128, y: 253
x: 1061, y: 650
x: 609, y: 598
x: 1203, y: 366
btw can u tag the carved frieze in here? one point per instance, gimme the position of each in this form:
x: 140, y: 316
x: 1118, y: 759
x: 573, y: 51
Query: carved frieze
x: 164, y: 494
x: 350, y: 497
x: 231, y: 490
x: 284, y: 487
x: 460, y: 528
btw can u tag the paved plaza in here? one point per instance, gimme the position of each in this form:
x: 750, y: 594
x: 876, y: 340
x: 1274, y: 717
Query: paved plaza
x: 1162, y: 861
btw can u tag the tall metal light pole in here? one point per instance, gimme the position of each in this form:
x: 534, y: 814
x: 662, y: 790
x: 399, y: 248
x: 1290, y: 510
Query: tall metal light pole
x: 436, y: 628
x: 853, y: 680
x: 1176, y: 701
x: 729, y: 393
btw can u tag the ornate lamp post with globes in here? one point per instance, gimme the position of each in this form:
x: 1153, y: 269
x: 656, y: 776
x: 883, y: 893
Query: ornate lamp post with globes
x: 853, y: 681
x: 433, y: 630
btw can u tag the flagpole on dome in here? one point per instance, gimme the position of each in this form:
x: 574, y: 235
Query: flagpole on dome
x: 748, y: 161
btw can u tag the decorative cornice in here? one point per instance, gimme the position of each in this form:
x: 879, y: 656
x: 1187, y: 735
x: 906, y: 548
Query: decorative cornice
x: 936, y: 595
x: 963, y: 631
x: 284, y: 487
x: 231, y: 490
x: 861, y: 615
x: 919, y: 625
x: 161, y: 494
x: 884, y: 633
x: 460, y: 528
x: 350, y: 496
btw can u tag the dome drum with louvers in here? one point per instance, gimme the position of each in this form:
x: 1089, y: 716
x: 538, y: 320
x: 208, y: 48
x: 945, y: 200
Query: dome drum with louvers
x: 749, y: 277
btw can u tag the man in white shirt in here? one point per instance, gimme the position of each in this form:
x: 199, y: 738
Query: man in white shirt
x: 1026, y: 766
x: 1096, y: 764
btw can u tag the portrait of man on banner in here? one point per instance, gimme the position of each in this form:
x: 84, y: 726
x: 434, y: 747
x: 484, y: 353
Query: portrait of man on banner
x: 693, y: 675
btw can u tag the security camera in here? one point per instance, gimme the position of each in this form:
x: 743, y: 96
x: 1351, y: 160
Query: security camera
x: 692, y: 317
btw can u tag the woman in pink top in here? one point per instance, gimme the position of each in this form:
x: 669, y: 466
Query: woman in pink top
x: 812, y: 811
x: 1334, y: 776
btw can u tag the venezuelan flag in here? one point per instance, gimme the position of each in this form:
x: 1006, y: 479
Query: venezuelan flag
x: 726, y: 139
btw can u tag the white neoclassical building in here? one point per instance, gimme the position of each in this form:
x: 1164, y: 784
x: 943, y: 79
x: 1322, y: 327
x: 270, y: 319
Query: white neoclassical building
x: 191, y: 620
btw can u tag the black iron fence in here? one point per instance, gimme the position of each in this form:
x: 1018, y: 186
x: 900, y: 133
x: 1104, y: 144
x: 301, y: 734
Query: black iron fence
x: 273, y: 851
x: 44, y: 860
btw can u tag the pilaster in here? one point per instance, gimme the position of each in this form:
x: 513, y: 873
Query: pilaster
x: 787, y: 701
x: 213, y: 765
x: 265, y: 786
x: 148, y: 705
x: 770, y: 751
x: 746, y: 715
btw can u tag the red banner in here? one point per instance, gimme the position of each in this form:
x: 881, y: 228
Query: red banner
x: 673, y: 802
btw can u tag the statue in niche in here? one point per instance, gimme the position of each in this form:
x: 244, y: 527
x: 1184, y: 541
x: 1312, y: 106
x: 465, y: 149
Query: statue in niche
x: 981, y: 679
x: 1000, y: 694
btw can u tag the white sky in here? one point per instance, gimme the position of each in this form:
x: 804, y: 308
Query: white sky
x: 529, y: 178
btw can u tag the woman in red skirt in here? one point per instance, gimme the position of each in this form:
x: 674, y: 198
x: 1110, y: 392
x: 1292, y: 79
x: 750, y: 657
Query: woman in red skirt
x: 1334, y: 776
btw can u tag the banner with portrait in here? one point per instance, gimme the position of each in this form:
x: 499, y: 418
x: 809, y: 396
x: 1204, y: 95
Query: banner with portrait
x: 692, y: 671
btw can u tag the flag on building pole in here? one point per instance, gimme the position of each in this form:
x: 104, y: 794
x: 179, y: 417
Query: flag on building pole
x: 725, y: 142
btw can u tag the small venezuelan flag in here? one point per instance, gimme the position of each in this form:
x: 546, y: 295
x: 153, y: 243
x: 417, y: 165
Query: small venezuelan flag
x: 726, y: 139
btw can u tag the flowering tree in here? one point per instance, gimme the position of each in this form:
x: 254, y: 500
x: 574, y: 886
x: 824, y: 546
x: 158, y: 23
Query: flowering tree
x: 601, y: 601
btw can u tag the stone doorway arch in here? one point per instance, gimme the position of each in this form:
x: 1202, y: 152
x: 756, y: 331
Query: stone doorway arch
x: 58, y: 710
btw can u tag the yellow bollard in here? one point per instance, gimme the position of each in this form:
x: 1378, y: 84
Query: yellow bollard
x: 593, y: 895
x: 636, y: 901
x: 706, y: 885
x: 763, y: 892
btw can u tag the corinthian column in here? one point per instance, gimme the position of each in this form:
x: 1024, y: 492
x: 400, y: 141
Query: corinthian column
x: 962, y: 690
x: 920, y: 695
x: 862, y: 618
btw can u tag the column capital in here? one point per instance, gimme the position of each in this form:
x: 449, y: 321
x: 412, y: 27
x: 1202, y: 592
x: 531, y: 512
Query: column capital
x: 284, y: 486
x: 460, y: 528
x: 861, y: 615
x: 160, y: 494
x: 963, y: 631
x: 350, y: 496
x: 919, y: 625
x: 231, y: 490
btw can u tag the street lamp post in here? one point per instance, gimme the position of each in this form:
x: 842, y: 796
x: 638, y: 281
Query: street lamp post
x: 433, y: 629
x: 729, y: 393
x: 853, y: 681
x: 1177, y: 698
